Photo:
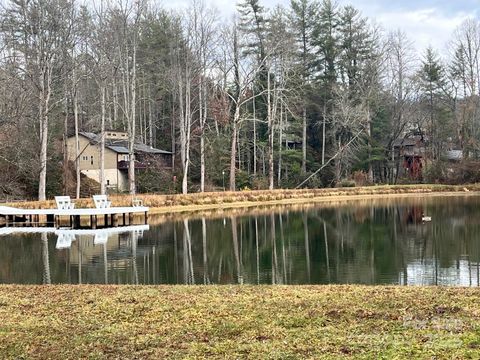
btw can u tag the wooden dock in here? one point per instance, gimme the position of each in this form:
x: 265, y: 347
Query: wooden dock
x: 112, y: 216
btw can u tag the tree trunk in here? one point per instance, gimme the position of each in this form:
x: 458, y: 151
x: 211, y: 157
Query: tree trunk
x: 77, y: 140
x: 65, y: 144
x: 369, y: 134
x: 254, y: 135
x: 233, y: 148
x: 43, y: 157
x: 43, y: 112
x: 270, y: 135
x: 202, y: 115
x: 202, y: 163
x: 150, y: 118
x: 280, y: 135
x: 187, y: 125
x: 115, y: 102
x: 323, y: 132
x: 131, y: 135
x: 236, y: 115
x: 304, y: 140
x: 102, y: 143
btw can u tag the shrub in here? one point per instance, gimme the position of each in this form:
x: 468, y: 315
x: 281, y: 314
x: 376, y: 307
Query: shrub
x: 155, y: 180
x: 346, y: 183
x: 435, y: 172
x: 242, y: 179
x: 360, y: 178
x: 259, y: 183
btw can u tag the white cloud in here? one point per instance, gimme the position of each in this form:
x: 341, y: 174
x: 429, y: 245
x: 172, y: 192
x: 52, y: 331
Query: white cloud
x: 425, y: 27
x: 430, y: 25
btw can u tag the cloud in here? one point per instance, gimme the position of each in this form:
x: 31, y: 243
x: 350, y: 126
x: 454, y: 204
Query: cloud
x: 426, y: 22
x: 425, y: 27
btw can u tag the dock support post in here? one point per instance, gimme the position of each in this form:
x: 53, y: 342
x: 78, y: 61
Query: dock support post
x: 50, y: 218
x: 93, y: 221
x: 130, y: 218
x: 114, y: 220
x: 124, y: 219
x: 146, y: 217
x: 76, y: 222
x: 105, y: 220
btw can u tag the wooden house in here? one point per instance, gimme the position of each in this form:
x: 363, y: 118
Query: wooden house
x: 116, y: 157
x: 410, y: 151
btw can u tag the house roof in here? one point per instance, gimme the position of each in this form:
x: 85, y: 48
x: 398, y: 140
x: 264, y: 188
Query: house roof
x: 413, y: 140
x: 89, y: 135
x: 149, y: 149
x: 121, y: 146
x: 405, y: 142
x: 118, y: 149
x: 454, y: 154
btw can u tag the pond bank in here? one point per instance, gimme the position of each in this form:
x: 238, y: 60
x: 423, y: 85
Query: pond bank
x: 238, y: 321
x: 162, y: 204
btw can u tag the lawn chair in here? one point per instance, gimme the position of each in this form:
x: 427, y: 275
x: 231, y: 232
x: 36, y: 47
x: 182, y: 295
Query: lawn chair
x: 137, y: 202
x: 64, y: 203
x: 101, y: 201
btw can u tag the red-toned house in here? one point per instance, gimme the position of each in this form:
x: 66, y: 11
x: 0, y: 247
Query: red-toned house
x: 411, y: 152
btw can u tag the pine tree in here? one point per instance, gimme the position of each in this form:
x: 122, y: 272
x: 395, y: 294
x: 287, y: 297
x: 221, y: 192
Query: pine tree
x: 432, y: 81
x: 325, y: 39
x: 302, y: 17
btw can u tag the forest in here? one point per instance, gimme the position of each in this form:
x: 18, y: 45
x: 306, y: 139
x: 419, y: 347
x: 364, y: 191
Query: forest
x: 310, y: 95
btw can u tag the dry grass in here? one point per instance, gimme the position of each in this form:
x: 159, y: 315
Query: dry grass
x: 258, y: 322
x: 219, y: 199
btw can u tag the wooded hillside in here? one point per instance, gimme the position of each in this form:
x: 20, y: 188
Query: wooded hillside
x: 313, y: 95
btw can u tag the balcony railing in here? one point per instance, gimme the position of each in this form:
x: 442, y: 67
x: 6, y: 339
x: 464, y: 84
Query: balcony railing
x: 124, y: 165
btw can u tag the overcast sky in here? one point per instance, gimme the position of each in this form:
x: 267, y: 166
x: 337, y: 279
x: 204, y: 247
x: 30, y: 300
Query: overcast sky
x: 427, y: 22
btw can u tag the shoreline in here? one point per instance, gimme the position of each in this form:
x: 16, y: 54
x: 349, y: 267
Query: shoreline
x: 329, y: 200
x: 196, y: 202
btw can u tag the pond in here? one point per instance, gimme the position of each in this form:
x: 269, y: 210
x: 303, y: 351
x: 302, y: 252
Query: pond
x: 359, y: 242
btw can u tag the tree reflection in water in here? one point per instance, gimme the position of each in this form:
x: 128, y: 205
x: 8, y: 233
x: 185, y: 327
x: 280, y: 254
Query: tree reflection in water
x: 384, y: 243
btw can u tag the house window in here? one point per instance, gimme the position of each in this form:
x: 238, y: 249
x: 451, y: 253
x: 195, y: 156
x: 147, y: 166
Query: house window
x: 108, y: 182
x: 125, y: 158
x: 85, y: 158
x: 91, y: 160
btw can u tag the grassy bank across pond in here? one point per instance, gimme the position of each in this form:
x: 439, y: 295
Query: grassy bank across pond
x: 260, y: 322
x: 214, y: 200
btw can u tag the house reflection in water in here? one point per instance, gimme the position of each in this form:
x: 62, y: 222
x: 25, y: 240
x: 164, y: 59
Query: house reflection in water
x: 113, y: 248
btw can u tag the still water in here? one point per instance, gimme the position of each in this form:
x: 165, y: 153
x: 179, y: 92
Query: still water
x: 368, y: 242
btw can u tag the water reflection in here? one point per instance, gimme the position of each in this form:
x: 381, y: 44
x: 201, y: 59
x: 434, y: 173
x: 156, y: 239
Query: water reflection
x: 372, y: 244
x: 45, y: 260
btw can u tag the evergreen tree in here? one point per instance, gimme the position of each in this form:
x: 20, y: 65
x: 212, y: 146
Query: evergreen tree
x: 432, y: 83
x: 326, y: 41
x: 302, y: 18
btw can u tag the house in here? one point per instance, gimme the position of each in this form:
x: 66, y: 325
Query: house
x: 116, y: 157
x: 454, y: 155
x: 411, y: 152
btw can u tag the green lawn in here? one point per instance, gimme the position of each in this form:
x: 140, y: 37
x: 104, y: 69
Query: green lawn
x: 238, y: 322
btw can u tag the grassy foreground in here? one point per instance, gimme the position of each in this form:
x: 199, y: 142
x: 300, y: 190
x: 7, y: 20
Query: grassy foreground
x: 238, y: 322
